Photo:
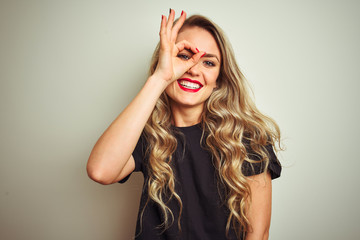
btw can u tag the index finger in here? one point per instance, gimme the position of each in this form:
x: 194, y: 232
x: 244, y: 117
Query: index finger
x: 187, y: 46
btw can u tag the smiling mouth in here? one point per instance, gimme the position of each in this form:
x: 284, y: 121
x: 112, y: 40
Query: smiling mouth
x: 189, y: 85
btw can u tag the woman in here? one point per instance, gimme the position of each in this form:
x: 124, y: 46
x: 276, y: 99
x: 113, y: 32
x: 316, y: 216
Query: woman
x: 205, y: 150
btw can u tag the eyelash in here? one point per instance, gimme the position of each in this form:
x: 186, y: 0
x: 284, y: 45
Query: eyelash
x: 186, y: 57
x: 209, y: 63
x: 183, y: 56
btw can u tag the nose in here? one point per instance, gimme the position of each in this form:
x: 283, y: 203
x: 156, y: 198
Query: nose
x: 194, y: 70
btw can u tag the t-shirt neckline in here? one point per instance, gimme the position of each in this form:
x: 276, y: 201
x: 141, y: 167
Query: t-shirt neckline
x: 188, y: 128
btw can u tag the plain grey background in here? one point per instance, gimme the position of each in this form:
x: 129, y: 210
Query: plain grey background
x: 68, y: 68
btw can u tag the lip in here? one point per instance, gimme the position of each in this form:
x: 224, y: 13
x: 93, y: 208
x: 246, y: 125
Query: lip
x: 188, y: 89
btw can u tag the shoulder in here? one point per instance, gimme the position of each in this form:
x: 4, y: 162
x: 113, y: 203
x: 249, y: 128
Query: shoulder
x: 264, y: 158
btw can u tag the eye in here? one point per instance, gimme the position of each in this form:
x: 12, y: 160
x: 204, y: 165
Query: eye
x: 209, y: 63
x: 183, y: 56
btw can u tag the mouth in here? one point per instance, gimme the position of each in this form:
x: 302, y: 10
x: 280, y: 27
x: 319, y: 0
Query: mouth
x: 189, y: 85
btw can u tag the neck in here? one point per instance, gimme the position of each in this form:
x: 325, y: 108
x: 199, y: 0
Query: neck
x: 186, y: 116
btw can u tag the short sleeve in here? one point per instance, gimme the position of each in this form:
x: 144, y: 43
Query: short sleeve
x: 274, y: 168
x: 139, y: 155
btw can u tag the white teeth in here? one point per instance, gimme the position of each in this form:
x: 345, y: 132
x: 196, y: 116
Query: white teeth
x: 190, y: 85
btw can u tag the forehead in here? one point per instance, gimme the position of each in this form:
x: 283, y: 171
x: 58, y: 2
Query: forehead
x: 202, y: 39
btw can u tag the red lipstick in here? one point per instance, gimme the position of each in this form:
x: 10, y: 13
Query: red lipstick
x: 189, y: 89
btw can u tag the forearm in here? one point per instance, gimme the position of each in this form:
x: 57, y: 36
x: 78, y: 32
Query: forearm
x: 114, y: 148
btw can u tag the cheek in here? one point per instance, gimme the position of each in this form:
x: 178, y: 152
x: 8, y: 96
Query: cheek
x: 170, y: 89
x: 211, y: 78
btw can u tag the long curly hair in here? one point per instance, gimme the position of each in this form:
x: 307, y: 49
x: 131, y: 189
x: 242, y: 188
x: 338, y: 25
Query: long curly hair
x: 229, y: 119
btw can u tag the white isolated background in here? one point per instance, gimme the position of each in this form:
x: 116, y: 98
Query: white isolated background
x: 68, y: 68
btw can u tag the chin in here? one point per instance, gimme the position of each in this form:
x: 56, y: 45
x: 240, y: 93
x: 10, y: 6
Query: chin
x: 188, y: 103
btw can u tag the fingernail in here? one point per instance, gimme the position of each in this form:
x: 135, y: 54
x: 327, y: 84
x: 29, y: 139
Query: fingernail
x: 197, y: 50
x: 182, y: 12
x: 203, y: 54
x: 169, y: 10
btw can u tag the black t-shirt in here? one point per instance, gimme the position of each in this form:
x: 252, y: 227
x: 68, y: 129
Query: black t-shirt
x: 204, y: 213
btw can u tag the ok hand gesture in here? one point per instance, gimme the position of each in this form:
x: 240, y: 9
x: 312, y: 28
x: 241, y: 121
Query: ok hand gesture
x: 170, y: 67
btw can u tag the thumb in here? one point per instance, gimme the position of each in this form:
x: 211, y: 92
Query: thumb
x: 195, y: 59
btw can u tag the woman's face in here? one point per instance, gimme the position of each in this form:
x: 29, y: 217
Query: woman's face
x: 196, y: 85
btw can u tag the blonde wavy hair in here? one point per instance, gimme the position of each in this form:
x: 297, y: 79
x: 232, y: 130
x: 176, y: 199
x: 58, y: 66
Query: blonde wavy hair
x: 229, y: 119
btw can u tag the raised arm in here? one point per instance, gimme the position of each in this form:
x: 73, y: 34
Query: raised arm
x: 111, y: 158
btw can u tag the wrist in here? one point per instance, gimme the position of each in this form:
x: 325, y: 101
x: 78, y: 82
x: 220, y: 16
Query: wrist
x: 157, y: 83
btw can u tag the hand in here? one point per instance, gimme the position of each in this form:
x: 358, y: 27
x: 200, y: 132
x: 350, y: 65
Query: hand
x: 170, y: 67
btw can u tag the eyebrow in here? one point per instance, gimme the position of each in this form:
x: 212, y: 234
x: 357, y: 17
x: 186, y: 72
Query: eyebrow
x: 211, y: 55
